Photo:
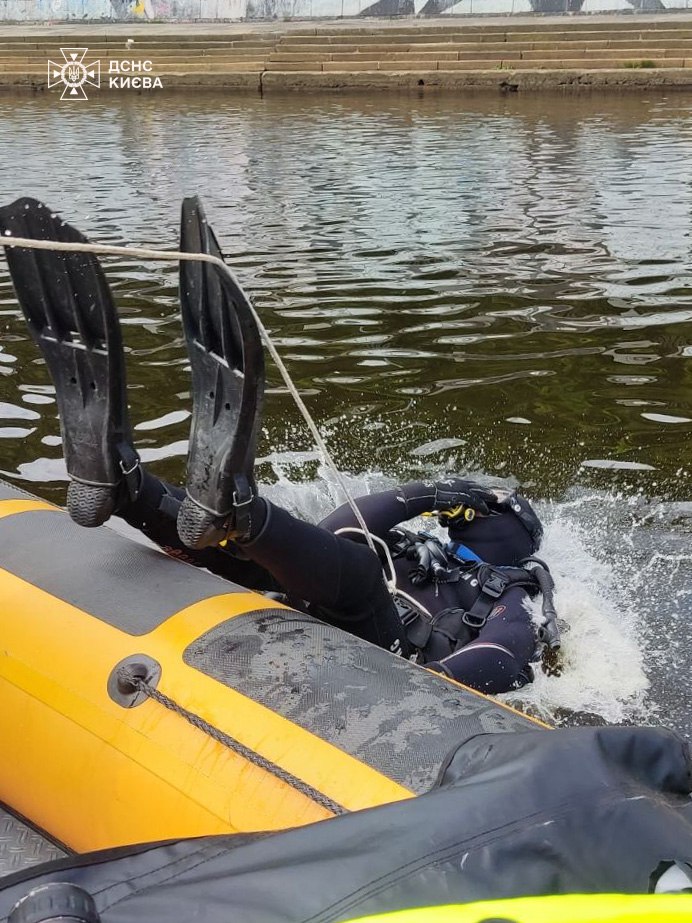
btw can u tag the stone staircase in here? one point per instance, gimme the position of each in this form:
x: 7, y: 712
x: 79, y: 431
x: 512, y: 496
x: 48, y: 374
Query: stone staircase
x: 177, y: 62
x: 458, y: 50
x: 359, y: 54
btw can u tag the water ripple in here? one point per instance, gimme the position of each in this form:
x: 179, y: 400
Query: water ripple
x: 471, y: 264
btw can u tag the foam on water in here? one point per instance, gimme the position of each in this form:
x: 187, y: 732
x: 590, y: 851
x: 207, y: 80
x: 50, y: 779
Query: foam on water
x: 602, y: 659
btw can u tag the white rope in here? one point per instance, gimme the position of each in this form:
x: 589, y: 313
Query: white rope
x: 391, y: 580
x: 176, y: 256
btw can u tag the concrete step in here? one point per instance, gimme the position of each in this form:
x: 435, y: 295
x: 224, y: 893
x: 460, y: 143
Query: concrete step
x: 446, y: 36
x: 422, y: 55
x: 153, y: 55
x: 563, y: 25
x: 403, y: 46
x: 244, y: 79
x: 367, y: 56
x: 413, y: 66
x: 530, y: 79
x: 476, y: 47
x: 221, y: 67
x: 154, y: 59
x: 636, y: 52
x: 141, y: 51
x: 593, y: 64
x: 143, y: 44
x: 447, y: 40
x: 147, y: 53
x: 96, y: 40
x: 381, y: 38
x: 226, y: 67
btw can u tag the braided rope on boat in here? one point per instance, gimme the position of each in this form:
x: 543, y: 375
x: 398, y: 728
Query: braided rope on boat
x: 227, y: 741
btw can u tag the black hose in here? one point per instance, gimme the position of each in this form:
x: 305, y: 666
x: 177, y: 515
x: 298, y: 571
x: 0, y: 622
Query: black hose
x: 549, y: 631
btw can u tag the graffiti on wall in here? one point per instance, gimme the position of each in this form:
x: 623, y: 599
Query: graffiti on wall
x: 209, y: 10
x: 121, y: 10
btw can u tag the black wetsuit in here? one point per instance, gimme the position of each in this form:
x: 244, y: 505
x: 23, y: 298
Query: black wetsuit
x: 341, y: 581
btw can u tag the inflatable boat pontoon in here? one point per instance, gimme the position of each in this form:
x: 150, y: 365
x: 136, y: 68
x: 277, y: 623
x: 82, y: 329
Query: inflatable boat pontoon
x: 249, y: 716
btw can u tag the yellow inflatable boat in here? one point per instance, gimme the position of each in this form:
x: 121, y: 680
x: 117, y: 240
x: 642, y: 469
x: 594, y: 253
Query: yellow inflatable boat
x: 143, y: 699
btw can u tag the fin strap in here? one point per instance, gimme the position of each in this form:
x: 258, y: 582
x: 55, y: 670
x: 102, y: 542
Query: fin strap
x: 240, y: 521
x: 130, y: 467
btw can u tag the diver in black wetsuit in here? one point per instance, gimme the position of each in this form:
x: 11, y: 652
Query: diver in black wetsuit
x: 460, y: 608
x: 341, y: 581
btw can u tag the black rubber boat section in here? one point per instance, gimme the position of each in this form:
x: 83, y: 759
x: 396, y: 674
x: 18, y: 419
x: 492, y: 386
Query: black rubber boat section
x: 70, y: 312
x: 520, y: 828
x: 227, y: 363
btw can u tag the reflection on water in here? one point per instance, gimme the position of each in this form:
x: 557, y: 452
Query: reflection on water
x: 493, y: 284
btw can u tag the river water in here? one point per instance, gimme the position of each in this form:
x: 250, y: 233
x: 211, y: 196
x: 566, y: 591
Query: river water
x: 493, y: 285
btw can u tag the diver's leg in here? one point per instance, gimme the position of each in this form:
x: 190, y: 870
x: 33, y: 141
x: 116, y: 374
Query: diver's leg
x: 227, y: 365
x: 498, y: 659
x: 340, y: 579
x: 154, y: 512
x: 70, y: 312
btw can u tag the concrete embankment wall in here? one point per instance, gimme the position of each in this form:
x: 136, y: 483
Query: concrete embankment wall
x: 439, y: 54
x: 233, y: 10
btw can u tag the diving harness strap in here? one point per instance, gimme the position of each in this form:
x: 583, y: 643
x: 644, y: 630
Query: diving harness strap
x: 441, y: 634
x: 459, y: 626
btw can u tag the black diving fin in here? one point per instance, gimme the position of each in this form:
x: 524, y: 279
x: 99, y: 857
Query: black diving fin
x: 70, y: 312
x: 227, y: 362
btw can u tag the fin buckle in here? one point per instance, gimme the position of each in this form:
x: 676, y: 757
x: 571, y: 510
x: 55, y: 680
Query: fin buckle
x: 129, y: 464
x: 128, y: 471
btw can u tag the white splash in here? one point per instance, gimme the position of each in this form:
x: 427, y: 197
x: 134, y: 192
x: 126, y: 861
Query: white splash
x: 602, y: 655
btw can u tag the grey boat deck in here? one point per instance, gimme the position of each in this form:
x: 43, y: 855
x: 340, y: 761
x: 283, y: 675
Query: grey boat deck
x: 21, y: 846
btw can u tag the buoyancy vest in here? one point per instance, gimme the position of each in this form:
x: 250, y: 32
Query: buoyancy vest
x: 437, y: 635
x: 440, y: 634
